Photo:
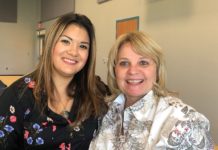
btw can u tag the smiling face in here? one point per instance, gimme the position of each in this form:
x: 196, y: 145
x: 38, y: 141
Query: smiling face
x: 71, y: 51
x: 135, y: 74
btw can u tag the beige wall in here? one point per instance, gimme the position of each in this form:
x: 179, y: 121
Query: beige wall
x: 17, y: 40
x: 186, y: 29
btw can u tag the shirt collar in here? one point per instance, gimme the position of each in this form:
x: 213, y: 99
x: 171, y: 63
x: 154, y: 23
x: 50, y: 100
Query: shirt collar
x: 120, y: 101
x: 143, y: 109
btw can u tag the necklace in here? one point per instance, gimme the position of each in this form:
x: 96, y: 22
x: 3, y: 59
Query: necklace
x: 65, y: 114
x: 61, y: 102
x: 65, y: 108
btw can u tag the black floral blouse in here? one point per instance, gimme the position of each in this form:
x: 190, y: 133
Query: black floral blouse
x: 23, y: 126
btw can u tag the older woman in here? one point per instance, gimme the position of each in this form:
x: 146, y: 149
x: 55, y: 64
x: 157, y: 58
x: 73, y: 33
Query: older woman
x: 143, y: 114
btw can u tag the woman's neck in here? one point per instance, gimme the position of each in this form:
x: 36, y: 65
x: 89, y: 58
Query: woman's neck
x: 62, y: 101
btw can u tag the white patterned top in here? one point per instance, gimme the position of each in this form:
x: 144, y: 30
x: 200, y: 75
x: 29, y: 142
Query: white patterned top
x: 149, y: 124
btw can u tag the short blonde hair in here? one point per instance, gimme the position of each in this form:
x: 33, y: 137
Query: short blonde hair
x: 145, y: 46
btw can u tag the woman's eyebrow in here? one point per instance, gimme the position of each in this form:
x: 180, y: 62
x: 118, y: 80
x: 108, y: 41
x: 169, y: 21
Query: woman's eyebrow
x: 67, y: 37
x: 83, y: 42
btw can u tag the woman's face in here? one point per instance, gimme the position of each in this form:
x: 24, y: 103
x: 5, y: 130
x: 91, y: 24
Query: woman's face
x: 71, y: 51
x: 135, y: 74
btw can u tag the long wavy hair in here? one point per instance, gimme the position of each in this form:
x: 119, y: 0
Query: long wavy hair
x: 145, y: 46
x: 83, y: 87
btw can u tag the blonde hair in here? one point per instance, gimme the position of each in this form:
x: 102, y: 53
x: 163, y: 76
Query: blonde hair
x: 145, y: 46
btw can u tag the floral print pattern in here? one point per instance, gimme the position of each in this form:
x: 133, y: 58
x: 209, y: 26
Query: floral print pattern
x: 21, y: 119
x: 150, y: 124
x: 31, y: 134
x: 7, y: 128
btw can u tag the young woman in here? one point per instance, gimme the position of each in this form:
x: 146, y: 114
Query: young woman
x: 57, y: 106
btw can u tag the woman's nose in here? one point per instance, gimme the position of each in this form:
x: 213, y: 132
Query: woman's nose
x: 73, y: 50
x: 132, y: 69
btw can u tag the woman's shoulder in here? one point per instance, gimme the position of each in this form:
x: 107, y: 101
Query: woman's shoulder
x: 19, y: 91
x: 188, y: 122
x: 21, y: 85
x: 176, y: 103
x: 183, y: 110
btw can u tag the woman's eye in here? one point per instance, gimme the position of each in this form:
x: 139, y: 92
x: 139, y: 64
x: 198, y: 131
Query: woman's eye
x: 144, y: 63
x: 84, y: 46
x: 66, y: 42
x: 124, y: 63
